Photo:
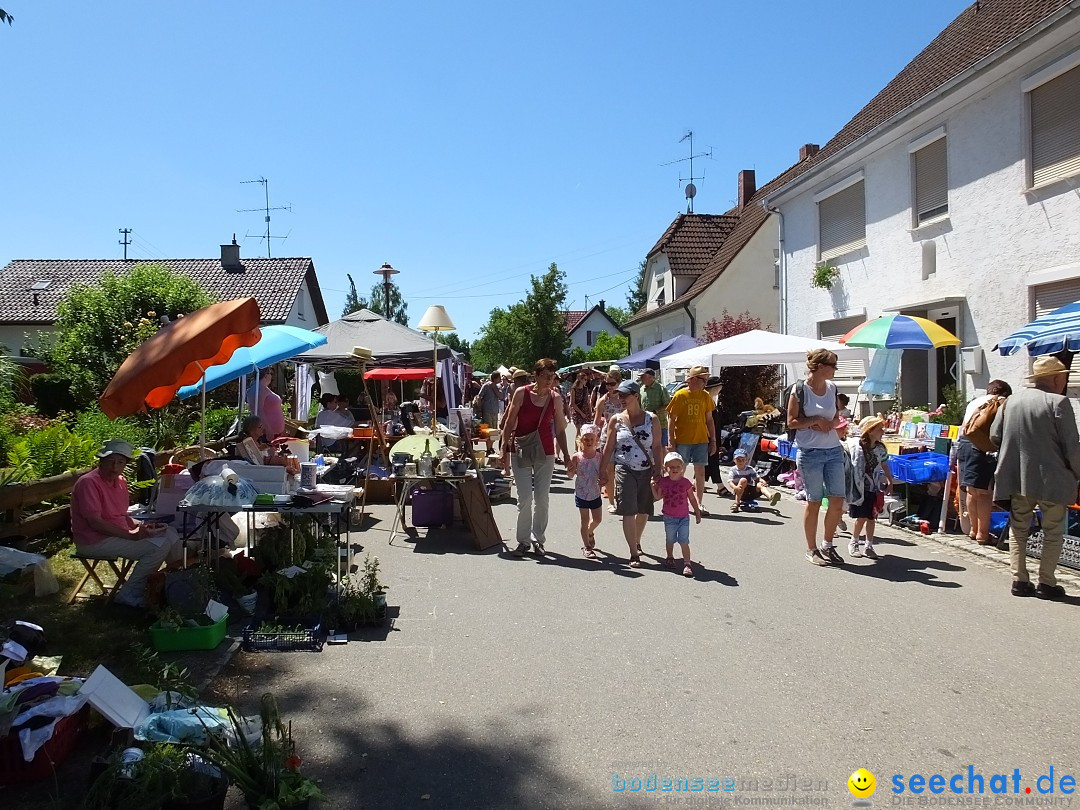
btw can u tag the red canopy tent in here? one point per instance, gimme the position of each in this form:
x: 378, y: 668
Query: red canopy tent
x: 398, y: 374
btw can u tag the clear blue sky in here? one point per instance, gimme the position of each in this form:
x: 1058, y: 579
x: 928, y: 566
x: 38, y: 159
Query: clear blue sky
x: 468, y: 144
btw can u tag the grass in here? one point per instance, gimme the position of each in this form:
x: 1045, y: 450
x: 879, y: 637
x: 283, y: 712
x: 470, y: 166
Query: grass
x: 87, y: 633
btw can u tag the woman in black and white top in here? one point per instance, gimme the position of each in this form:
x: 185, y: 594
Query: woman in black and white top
x: 633, y: 442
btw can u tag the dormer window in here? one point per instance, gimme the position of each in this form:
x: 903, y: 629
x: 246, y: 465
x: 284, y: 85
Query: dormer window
x: 41, y: 284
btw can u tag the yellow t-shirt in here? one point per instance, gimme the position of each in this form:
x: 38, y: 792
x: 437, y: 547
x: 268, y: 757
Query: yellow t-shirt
x: 690, y: 410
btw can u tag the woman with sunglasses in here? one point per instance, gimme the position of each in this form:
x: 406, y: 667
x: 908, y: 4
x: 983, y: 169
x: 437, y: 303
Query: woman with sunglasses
x: 607, y: 405
x: 813, y: 410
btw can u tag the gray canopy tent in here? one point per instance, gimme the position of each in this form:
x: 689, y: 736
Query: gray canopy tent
x: 392, y: 345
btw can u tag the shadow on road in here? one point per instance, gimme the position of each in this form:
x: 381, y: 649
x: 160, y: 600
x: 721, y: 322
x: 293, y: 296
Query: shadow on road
x: 895, y: 568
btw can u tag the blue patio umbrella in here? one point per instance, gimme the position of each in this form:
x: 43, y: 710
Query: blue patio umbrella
x: 1049, y: 334
x: 278, y: 343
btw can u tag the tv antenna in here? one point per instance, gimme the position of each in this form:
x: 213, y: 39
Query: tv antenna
x: 266, y: 209
x: 690, y: 189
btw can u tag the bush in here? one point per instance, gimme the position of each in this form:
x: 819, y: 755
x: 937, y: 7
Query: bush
x: 50, y: 451
x: 93, y: 424
x: 218, y: 422
x: 52, y: 392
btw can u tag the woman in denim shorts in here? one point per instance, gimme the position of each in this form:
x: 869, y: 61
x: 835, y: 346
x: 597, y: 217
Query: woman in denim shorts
x: 820, y: 456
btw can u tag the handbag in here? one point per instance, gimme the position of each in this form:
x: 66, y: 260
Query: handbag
x: 529, y: 447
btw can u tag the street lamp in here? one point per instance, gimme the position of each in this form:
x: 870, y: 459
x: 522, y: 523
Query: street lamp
x: 386, y: 271
x: 435, y: 320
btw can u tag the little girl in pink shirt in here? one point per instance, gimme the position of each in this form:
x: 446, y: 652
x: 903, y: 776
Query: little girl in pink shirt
x: 677, y: 492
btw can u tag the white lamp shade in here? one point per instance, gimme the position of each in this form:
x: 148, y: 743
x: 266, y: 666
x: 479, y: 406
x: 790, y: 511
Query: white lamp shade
x: 436, y: 320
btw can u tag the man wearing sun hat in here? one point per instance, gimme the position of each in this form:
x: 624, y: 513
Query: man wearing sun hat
x: 690, y: 424
x: 1038, y: 465
x: 101, y: 526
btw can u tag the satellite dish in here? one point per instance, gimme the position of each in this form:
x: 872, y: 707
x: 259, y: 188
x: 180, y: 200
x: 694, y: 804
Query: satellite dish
x: 691, y: 191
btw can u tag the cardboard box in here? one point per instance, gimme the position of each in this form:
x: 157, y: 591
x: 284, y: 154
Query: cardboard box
x: 379, y: 490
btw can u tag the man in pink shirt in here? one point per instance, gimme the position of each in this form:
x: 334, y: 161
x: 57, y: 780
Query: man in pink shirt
x: 100, y: 523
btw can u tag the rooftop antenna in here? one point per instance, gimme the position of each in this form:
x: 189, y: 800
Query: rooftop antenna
x: 266, y: 209
x: 691, y: 189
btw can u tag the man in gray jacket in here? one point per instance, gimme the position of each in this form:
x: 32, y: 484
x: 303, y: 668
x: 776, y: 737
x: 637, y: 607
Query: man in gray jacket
x: 1038, y: 464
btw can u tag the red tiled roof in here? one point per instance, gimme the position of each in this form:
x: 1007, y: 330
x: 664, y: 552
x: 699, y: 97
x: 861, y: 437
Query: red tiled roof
x: 692, y: 239
x: 574, y: 317
x: 274, y: 283
x: 980, y: 30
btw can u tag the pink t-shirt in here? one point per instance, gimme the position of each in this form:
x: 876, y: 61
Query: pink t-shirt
x: 93, y: 495
x: 675, y: 491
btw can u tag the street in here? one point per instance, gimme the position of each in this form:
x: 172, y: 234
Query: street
x: 552, y: 683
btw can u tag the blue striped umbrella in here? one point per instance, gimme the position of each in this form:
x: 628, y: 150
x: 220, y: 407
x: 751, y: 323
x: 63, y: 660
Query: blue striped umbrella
x: 1050, y: 334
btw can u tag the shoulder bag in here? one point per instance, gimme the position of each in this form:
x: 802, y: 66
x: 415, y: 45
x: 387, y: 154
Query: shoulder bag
x: 529, y: 447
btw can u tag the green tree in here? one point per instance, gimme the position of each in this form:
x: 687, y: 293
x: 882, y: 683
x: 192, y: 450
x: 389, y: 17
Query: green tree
x: 501, y: 340
x: 5, y: 17
x: 353, y: 302
x: 609, y: 347
x: 618, y: 314
x: 636, y: 296
x: 453, y: 341
x: 399, y: 307
x: 99, y: 325
x: 545, y: 323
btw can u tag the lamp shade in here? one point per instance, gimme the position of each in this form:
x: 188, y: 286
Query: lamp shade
x: 436, y: 320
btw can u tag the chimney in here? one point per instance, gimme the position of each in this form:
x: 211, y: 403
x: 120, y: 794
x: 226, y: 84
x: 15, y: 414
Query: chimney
x: 230, y: 257
x: 808, y: 151
x: 601, y: 305
x: 747, y: 186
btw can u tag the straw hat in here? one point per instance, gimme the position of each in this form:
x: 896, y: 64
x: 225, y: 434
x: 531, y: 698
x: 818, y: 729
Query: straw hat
x: 698, y: 371
x: 868, y: 423
x: 1047, y: 366
x: 520, y: 372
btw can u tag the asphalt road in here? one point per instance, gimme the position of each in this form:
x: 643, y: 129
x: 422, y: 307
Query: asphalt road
x: 506, y: 682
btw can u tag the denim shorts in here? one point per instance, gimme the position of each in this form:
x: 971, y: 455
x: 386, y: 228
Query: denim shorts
x: 822, y: 472
x: 677, y: 530
x: 694, y: 453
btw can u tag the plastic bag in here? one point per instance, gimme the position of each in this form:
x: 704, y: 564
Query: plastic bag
x: 214, y: 490
x: 14, y: 560
x: 182, y: 725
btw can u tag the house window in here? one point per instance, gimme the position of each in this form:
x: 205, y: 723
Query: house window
x: 842, y: 221
x: 1049, y: 297
x: 1055, y: 127
x: 833, y: 331
x: 300, y: 305
x: 588, y: 337
x: 930, y: 168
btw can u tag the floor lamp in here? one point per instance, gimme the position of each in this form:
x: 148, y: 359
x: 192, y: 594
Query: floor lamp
x: 435, y: 320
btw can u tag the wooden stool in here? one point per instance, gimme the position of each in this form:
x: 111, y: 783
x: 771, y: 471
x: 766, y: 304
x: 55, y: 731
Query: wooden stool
x: 90, y: 562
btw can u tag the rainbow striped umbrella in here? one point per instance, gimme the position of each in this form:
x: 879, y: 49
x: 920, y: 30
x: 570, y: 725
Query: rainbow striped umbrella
x: 900, y: 332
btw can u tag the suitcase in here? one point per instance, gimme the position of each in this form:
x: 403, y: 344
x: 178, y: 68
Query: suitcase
x: 432, y: 507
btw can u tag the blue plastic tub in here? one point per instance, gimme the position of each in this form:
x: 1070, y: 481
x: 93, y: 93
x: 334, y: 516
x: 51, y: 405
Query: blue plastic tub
x: 919, y: 468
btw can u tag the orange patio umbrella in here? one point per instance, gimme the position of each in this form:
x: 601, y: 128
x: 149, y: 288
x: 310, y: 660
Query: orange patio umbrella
x: 179, y: 354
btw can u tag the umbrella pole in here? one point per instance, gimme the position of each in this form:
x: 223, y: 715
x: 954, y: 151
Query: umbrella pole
x: 202, y: 424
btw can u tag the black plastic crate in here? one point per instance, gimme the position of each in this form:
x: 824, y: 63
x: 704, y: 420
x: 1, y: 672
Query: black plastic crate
x: 308, y: 639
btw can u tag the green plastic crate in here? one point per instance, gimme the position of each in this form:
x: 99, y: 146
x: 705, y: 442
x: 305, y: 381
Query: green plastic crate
x: 173, y: 639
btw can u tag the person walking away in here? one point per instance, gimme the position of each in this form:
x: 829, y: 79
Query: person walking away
x: 747, y: 484
x: 607, y: 405
x: 101, y: 526
x: 633, y: 444
x: 535, y: 424
x: 654, y: 399
x: 693, y: 434
x: 579, y: 398
x: 975, y: 466
x: 268, y: 403
x: 872, y: 480
x: 584, y: 467
x: 487, y: 401
x: 813, y: 411
x: 677, y: 492
x: 1038, y: 465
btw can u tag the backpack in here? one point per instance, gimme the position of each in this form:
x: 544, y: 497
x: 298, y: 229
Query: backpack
x: 797, y: 390
x: 977, y: 428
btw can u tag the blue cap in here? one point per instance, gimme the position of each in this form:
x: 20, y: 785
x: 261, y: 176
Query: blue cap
x: 740, y: 454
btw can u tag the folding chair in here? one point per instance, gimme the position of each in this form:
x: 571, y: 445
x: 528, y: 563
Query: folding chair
x: 90, y: 562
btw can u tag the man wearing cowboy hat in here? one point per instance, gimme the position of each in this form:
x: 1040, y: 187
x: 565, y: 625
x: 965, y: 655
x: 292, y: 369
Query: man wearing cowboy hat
x: 1038, y: 465
x: 101, y: 526
x: 690, y: 423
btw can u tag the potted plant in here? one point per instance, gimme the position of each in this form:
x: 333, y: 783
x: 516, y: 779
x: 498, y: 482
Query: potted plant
x: 166, y: 777
x: 371, y: 587
x: 267, y: 773
x: 824, y: 276
x: 351, y: 607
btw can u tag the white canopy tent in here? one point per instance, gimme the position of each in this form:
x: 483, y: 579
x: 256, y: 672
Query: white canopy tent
x: 757, y: 348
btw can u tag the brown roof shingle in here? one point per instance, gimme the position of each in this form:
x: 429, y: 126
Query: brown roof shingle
x: 274, y: 283
x: 692, y: 239
x: 574, y: 317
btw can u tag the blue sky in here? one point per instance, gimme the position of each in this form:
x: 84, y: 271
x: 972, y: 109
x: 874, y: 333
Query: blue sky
x: 469, y: 144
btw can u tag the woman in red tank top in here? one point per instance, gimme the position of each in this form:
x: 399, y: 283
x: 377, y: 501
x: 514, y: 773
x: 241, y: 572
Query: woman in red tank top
x: 537, y: 407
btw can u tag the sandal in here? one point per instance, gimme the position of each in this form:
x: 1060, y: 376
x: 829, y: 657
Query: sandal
x: 688, y: 571
x: 612, y: 508
x: 734, y: 508
x: 590, y: 553
x: 635, y: 562
x: 670, y: 562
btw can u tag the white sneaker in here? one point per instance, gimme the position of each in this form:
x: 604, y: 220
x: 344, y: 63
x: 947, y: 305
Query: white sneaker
x: 853, y: 547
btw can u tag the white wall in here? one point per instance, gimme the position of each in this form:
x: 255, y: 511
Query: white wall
x: 746, y: 284
x: 15, y: 337
x: 650, y: 332
x: 595, y: 322
x: 989, y: 251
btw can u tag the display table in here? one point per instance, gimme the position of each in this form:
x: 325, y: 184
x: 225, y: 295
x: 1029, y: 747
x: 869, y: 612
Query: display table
x: 339, y: 509
x: 475, y: 506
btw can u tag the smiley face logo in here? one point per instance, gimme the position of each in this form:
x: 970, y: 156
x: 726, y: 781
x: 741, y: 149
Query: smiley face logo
x: 862, y: 784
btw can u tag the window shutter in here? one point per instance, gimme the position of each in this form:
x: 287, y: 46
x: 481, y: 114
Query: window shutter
x: 842, y: 219
x: 588, y: 337
x: 1049, y: 297
x: 1055, y: 128
x: 931, y: 181
x: 833, y: 331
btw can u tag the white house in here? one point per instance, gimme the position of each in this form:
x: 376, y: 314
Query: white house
x: 584, y: 326
x: 287, y: 289
x: 953, y: 195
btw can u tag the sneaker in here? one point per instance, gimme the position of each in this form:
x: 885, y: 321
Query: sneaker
x: 775, y: 499
x: 129, y: 599
x: 1022, y: 588
x: 853, y: 547
x: 521, y: 549
x: 1049, y: 591
x: 830, y: 554
x: 870, y: 554
x: 815, y: 557
x: 539, y: 549
x: 842, y: 525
